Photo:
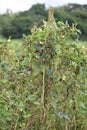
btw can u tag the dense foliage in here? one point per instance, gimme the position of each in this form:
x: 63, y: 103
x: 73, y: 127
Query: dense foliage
x: 16, y: 24
x: 43, y: 82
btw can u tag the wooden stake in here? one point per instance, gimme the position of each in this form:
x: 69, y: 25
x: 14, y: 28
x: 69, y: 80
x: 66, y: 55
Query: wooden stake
x: 51, y: 14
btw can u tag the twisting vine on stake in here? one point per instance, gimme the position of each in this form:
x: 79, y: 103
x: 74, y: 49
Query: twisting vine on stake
x: 46, y: 62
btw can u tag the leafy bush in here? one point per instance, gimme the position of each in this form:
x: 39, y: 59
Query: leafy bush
x: 43, y: 83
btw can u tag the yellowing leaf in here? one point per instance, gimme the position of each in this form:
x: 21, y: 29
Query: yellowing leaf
x: 64, y: 78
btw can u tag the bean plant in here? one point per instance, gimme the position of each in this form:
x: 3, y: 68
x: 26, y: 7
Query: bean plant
x: 59, y: 76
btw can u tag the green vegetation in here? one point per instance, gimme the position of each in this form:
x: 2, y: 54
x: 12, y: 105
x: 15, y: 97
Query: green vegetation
x: 43, y: 80
x: 21, y: 23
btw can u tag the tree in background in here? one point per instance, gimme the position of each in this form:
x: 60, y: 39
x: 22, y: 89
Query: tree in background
x: 21, y: 23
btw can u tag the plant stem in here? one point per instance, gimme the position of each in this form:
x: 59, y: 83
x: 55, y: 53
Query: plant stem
x: 43, y: 101
x: 43, y: 91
